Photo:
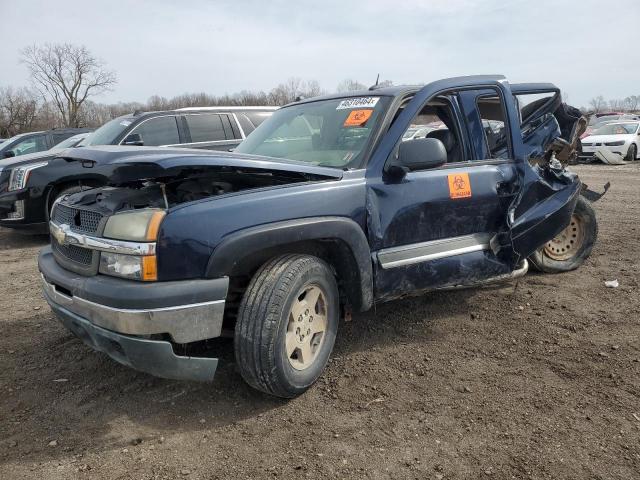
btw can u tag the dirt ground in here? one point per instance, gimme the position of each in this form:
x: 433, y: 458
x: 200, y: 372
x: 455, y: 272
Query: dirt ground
x: 539, y: 379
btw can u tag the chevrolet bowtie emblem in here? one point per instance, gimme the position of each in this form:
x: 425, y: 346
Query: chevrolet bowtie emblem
x: 60, y: 233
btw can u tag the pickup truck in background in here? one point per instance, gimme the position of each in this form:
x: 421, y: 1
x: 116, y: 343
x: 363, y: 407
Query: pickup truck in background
x: 322, y: 211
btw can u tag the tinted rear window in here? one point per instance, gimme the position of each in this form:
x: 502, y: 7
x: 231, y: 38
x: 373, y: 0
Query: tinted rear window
x: 205, y: 127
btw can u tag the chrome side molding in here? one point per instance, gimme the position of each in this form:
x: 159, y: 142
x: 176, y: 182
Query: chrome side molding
x: 433, y: 250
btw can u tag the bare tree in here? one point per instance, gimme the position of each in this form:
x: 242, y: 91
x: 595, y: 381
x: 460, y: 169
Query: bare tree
x: 18, y: 109
x: 598, y: 104
x: 631, y: 103
x: 292, y: 89
x: 615, y: 105
x: 68, y: 75
x: 349, y: 85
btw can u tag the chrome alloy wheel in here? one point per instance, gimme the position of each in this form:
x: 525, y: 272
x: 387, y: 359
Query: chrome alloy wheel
x: 306, y: 327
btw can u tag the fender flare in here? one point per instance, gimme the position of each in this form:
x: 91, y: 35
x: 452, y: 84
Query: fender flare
x: 229, y: 253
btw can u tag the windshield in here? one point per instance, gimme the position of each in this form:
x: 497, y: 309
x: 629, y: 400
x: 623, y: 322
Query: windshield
x: 617, y: 129
x: 330, y: 133
x: 604, y: 118
x: 9, y: 141
x: 107, y: 134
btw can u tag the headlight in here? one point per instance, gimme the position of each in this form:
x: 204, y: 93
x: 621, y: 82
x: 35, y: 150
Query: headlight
x: 20, y: 175
x: 135, y: 226
x: 614, y: 144
x: 133, y: 267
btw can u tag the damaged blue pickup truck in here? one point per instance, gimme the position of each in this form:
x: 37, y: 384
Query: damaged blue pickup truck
x: 325, y: 209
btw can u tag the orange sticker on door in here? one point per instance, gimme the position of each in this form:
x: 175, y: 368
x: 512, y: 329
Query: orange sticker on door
x: 357, y: 118
x: 459, y: 186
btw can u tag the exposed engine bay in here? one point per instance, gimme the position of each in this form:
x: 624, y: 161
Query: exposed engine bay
x: 182, y: 186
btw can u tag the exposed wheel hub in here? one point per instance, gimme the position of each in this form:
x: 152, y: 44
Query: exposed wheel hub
x: 568, y: 242
x: 306, y: 327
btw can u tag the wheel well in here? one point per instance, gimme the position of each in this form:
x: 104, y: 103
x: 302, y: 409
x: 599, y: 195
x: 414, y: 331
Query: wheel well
x: 333, y: 251
x: 55, y: 189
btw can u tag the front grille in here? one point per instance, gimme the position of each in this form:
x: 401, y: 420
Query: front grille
x: 72, y: 257
x: 81, y: 221
x: 73, y: 253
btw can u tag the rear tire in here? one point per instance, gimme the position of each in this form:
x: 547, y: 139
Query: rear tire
x: 569, y: 249
x: 287, y: 324
x: 632, y: 153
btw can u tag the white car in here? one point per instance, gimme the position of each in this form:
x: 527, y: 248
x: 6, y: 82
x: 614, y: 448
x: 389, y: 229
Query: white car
x: 622, y: 138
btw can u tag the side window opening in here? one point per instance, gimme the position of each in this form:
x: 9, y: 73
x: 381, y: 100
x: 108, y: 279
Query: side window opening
x: 205, y: 127
x: 437, y: 120
x: 530, y: 103
x: 493, y: 117
x: 158, y: 131
x: 31, y: 145
x: 535, y: 109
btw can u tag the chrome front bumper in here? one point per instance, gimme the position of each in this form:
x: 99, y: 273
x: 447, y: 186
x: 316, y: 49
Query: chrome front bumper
x: 184, y: 323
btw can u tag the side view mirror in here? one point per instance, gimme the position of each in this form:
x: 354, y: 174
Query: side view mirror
x: 134, y: 139
x: 9, y: 154
x: 422, y: 153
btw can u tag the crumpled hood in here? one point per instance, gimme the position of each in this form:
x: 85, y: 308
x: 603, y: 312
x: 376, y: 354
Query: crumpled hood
x: 144, y: 163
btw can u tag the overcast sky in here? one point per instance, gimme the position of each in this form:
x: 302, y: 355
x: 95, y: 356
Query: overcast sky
x: 169, y: 47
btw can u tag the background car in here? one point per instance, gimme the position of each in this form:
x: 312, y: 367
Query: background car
x: 211, y: 128
x: 622, y: 138
x: 596, y: 121
x: 70, y: 142
x: 34, y: 142
x: 29, y: 185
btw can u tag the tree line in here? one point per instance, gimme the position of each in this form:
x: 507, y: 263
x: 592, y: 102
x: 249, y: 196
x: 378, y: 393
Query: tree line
x: 629, y: 104
x: 66, y: 78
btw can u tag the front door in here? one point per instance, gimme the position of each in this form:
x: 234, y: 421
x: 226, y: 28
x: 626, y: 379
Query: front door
x: 433, y: 227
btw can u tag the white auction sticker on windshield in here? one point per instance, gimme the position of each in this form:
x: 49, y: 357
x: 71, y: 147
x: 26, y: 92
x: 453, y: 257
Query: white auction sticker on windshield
x: 358, y: 102
x: 125, y: 123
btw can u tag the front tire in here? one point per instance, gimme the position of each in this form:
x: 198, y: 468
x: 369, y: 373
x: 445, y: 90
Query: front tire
x: 632, y: 153
x: 287, y: 324
x: 571, y: 247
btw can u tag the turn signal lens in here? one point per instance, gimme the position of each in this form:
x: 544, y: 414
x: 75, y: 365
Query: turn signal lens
x: 149, y: 269
x: 154, y: 225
